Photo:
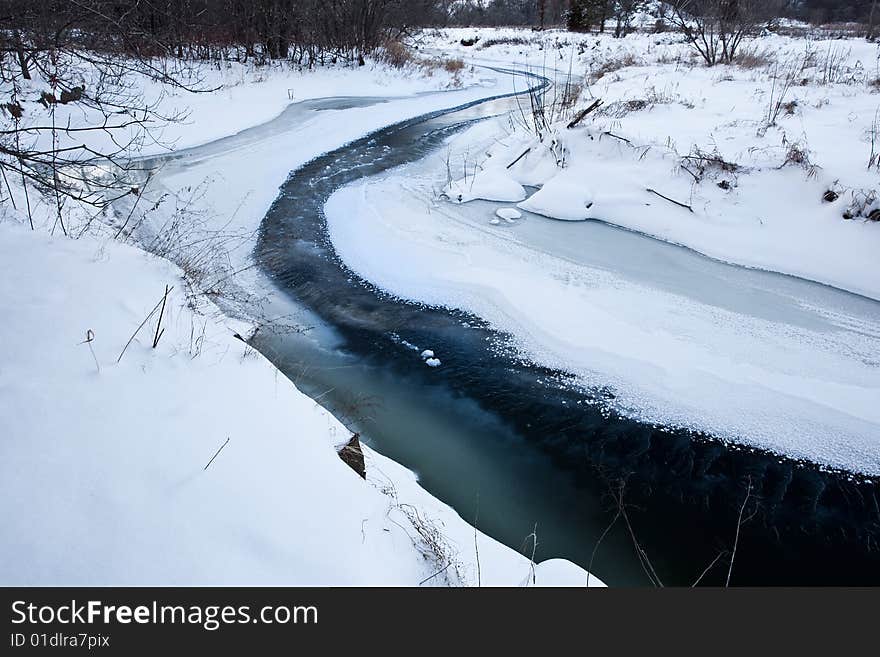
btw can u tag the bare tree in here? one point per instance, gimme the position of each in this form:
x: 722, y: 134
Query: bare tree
x: 624, y: 10
x: 71, y: 113
x: 717, y: 28
x: 64, y: 61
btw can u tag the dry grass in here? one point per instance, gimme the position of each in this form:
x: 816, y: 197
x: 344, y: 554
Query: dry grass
x: 753, y: 58
x: 862, y: 205
x: 395, y: 54
x: 798, y: 155
x: 453, y: 65
x: 504, y: 41
x: 611, y: 65
x: 399, y: 56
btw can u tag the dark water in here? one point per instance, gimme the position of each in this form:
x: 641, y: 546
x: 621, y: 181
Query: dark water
x: 514, y: 444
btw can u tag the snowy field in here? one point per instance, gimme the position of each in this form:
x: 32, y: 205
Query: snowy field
x: 764, y: 164
x: 174, y: 454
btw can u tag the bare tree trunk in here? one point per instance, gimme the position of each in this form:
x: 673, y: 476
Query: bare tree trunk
x: 22, y: 56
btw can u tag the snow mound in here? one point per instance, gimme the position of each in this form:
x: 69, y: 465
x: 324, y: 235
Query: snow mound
x: 559, y: 572
x: 493, y: 184
x: 561, y: 198
x: 90, y: 498
x: 508, y: 214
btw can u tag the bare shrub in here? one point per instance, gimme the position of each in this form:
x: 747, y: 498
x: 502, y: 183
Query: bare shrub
x: 874, y: 133
x: 620, y: 108
x: 863, y: 203
x: 784, y: 77
x: 397, y: 55
x: 700, y: 163
x: 611, y: 65
x: 504, y: 41
x: 394, y: 54
x: 171, y: 226
x: 717, y: 28
x: 429, y: 538
x: 570, y: 94
x: 453, y: 65
x: 798, y: 155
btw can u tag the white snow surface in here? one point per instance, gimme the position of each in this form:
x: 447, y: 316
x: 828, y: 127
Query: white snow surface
x: 508, y: 214
x: 563, y: 197
x: 218, y: 100
x: 491, y: 184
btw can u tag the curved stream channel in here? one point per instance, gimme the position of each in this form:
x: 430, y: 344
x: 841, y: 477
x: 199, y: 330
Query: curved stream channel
x: 509, y: 444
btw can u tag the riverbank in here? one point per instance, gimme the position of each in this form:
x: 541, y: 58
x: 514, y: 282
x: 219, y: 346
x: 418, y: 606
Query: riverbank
x: 147, y: 444
x: 681, y: 341
x: 690, y: 487
x: 767, y: 163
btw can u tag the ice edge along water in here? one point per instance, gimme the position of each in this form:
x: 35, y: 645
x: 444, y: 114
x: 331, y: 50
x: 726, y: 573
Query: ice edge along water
x: 802, y: 382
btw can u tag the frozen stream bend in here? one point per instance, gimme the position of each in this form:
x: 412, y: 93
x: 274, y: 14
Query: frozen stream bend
x: 752, y: 357
x: 662, y: 464
x: 762, y: 348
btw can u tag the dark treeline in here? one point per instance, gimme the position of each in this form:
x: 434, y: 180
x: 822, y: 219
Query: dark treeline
x: 305, y: 31
x: 615, y: 14
x: 531, y: 13
x: 834, y: 11
x: 316, y: 31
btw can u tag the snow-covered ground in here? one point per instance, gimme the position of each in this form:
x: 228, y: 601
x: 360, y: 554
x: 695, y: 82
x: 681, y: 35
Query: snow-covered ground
x: 237, y: 178
x: 771, y: 362
x: 212, y: 100
x: 109, y: 465
x: 751, y: 148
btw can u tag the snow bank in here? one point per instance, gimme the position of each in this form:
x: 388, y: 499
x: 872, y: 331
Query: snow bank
x: 689, y: 155
x: 682, y: 340
x: 104, y: 469
x: 753, y: 162
x: 508, y: 214
x: 562, y: 197
x: 493, y: 184
x: 218, y: 100
x: 103, y: 465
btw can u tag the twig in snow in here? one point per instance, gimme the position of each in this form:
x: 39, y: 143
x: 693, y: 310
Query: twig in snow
x: 159, y: 323
x: 439, y: 572
x: 8, y: 188
x: 477, y: 547
x: 217, y: 452
x: 580, y: 115
x: 521, y: 156
x: 671, y: 200
x: 146, y: 319
x: 534, y: 537
x: 90, y: 337
x: 611, y: 134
